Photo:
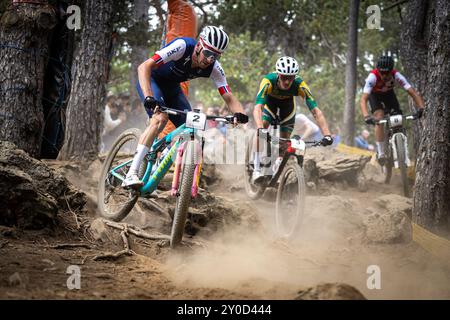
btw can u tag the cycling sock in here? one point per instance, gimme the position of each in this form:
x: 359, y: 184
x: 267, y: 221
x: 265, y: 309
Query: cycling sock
x: 380, y: 148
x: 257, y: 161
x: 141, y: 151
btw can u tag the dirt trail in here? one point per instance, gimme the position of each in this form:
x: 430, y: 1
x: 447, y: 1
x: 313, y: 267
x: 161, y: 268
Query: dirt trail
x: 235, y: 261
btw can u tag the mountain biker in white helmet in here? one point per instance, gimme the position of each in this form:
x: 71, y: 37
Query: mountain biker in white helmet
x: 276, y: 93
x: 159, y: 84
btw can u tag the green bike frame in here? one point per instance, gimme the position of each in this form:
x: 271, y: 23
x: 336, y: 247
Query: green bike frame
x: 151, y: 181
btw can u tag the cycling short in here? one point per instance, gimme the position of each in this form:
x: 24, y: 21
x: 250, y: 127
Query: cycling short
x: 286, y: 109
x: 171, y: 95
x: 386, y: 101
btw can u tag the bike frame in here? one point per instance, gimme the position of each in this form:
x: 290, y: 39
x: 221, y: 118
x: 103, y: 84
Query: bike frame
x: 393, y: 132
x: 151, y: 181
x: 287, y: 154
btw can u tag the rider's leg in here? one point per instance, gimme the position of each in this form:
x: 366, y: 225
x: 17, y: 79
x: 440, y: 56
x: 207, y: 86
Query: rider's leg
x: 379, y: 132
x: 377, y: 108
x: 268, y: 117
x: 157, y: 123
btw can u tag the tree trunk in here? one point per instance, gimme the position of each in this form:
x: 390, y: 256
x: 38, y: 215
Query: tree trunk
x: 24, y: 33
x: 85, y: 109
x: 350, y: 74
x: 414, y: 54
x: 138, y: 41
x: 432, y: 188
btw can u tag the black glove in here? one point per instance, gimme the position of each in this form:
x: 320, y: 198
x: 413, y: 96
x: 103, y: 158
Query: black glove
x: 150, y: 103
x: 240, y: 117
x: 327, y: 141
x: 418, y: 114
x: 369, y: 120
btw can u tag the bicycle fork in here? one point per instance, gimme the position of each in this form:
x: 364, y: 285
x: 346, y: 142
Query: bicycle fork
x: 178, y: 168
x: 394, y: 149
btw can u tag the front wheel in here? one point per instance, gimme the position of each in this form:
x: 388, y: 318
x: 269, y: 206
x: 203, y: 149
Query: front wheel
x: 114, y: 201
x: 290, y: 205
x: 401, y: 158
x: 184, y: 194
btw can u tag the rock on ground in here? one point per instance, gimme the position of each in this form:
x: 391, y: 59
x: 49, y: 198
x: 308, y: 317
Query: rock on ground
x: 330, y: 165
x: 390, y: 221
x: 33, y: 194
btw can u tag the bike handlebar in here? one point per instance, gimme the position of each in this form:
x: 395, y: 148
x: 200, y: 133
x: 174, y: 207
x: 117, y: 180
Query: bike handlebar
x: 278, y: 139
x: 226, y: 119
x: 386, y: 118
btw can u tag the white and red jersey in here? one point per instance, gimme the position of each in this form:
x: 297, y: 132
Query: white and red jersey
x: 375, y: 84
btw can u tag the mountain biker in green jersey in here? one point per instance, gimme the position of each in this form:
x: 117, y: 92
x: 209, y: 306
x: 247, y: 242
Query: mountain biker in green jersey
x: 276, y: 93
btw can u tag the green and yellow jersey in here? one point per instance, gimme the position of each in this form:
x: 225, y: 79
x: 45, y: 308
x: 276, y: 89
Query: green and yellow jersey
x: 269, y: 89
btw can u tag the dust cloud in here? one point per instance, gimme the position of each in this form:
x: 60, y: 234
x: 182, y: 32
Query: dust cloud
x: 331, y: 247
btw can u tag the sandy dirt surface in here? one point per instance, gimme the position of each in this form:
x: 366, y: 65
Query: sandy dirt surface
x: 235, y: 258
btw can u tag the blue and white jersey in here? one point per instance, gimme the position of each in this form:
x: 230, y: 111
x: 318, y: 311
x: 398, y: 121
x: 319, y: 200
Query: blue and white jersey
x: 174, y: 64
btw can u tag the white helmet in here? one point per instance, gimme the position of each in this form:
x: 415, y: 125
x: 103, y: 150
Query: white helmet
x: 214, y: 39
x: 287, y: 66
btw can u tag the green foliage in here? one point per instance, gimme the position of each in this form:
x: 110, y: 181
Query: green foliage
x: 315, y: 32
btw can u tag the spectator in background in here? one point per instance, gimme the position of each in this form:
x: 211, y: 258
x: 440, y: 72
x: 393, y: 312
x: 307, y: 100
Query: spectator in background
x: 336, y: 136
x: 306, y: 128
x: 113, y: 118
x: 137, y: 117
x: 361, y: 141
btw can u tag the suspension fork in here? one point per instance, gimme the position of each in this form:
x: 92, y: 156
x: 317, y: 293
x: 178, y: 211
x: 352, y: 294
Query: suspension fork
x: 198, y: 169
x: 177, y: 170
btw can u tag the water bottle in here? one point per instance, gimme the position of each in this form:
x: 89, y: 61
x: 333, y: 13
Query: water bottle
x: 276, y: 165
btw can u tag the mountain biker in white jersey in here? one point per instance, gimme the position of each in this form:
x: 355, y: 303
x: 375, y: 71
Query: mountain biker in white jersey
x: 379, y: 90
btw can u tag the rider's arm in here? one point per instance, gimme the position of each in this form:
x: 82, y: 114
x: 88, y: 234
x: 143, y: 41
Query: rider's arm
x: 401, y: 80
x: 417, y: 98
x: 364, y: 98
x: 371, y: 81
x: 321, y: 121
x: 144, y: 74
x: 172, y: 52
x: 304, y: 91
x: 265, y: 87
x: 233, y: 103
x: 219, y: 79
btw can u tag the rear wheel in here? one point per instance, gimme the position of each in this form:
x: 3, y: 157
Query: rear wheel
x: 254, y: 192
x: 184, y: 194
x: 401, y: 158
x: 114, y: 201
x: 290, y: 205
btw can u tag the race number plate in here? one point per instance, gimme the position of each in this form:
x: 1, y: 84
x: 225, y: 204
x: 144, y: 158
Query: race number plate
x: 298, y: 144
x: 196, y: 120
x: 396, y: 121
